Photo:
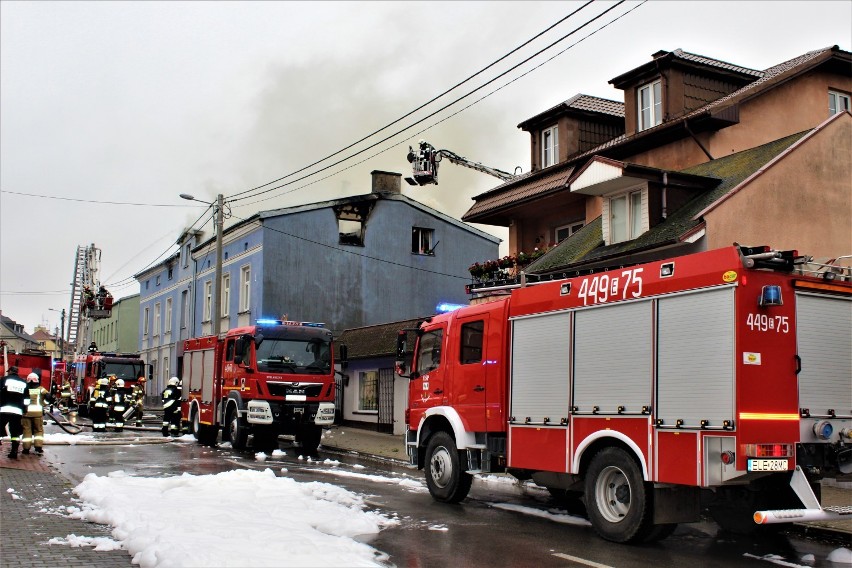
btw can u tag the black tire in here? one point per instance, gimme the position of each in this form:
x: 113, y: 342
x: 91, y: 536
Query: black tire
x: 618, y: 500
x: 205, y: 434
x: 309, y: 436
x: 571, y: 501
x: 265, y: 439
x: 447, y: 480
x: 660, y: 532
x: 237, y: 429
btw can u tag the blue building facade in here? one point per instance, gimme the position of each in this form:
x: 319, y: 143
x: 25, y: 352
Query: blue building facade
x: 349, y: 262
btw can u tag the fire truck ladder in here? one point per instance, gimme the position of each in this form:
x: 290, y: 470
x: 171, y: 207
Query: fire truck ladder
x: 85, y: 274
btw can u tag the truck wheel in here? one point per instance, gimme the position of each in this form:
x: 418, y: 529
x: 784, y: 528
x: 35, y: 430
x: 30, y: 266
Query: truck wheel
x: 309, y: 437
x: 204, y: 433
x: 617, y: 501
x: 446, y: 479
x: 237, y: 430
x: 265, y: 440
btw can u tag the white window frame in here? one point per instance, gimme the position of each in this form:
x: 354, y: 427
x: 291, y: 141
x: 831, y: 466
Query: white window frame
x: 166, y: 367
x: 145, y: 321
x: 156, y: 331
x: 208, y: 300
x: 422, y: 240
x: 226, y: 295
x: 186, y: 254
x: 571, y: 227
x: 835, y: 98
x: 633, y: 226
x: 184, y: 302
x: 549, y: 146
x: 245, y: 288
x: 655, y: 107
x: 168, y: 315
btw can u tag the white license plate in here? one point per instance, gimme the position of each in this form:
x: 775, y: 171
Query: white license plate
x: 767, y: 465
x: 296, y: 397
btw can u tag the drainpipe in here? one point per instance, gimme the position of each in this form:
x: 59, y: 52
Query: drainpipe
x: 665, y: 191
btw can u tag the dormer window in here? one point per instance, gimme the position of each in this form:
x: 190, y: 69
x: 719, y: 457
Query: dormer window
x: 837, y: 102
x: 650, y: 105
x: 625, y: 216
x: 549, y: 146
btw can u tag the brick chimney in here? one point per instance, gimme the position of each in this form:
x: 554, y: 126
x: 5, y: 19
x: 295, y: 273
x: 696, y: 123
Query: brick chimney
x: 386, y: 182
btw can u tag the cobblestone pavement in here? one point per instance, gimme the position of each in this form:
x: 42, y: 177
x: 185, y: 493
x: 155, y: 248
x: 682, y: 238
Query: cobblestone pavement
x: 32, y: 509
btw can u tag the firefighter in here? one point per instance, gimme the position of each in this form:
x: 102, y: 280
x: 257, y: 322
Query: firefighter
x: 139, y: 398
x: 65, y: 396
x: 118, y: 404
x: 33, y: 419
x: 98, y: 405
x: 12, y: 394
x: 171, y: 408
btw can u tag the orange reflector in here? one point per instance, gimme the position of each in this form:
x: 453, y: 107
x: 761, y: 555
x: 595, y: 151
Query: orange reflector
x: 768, y: 416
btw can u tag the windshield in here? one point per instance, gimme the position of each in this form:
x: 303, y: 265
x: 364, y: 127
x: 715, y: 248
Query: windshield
x: 294, y: 356
x: 126, y: 371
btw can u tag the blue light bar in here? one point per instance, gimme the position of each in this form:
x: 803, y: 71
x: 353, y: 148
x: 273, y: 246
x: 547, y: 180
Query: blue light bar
x: 268, y: 322
x: 445, y: 307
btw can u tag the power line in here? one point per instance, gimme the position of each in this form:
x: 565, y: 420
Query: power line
x: 385, y: 139
x: 416, y: 134
x: 96, y: 201
x: 427, y: 103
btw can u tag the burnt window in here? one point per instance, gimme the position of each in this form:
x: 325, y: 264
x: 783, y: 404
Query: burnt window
x: 351, y: 221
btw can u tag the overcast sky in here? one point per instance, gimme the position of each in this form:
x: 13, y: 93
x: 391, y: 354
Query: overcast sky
x: 137, y: 102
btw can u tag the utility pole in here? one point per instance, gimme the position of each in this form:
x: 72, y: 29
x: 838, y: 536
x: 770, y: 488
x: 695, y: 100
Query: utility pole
x: 215, y: 309
x: 217, y: 286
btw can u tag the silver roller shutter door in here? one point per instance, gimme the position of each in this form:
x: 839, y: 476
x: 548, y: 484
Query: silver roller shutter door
x: 695, y: 379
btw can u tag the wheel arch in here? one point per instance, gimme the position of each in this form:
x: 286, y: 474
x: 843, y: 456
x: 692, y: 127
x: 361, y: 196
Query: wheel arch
x: 444, y: 418
x: 441, y: 419
x: 597, y: 441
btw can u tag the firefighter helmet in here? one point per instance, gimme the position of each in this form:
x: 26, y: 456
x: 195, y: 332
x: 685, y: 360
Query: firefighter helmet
x: 119, y: 383
x: 32, y: 378
x: 173, y: 382
x: 103, y: 381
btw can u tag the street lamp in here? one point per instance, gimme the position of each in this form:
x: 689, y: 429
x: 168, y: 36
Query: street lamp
x: 217, y: 286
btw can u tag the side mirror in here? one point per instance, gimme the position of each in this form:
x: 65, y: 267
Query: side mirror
x: 344, y: 357
x: 401, y: 341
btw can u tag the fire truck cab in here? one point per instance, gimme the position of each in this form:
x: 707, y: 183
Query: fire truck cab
x: 91, y: 366
x: 719, y: 378
x: 258, y: 382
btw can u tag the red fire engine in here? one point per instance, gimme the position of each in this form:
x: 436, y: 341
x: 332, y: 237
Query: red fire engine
x: 91, y: 366
x: 30, y: 361
x: 260, y: 381
x: 716, y: 378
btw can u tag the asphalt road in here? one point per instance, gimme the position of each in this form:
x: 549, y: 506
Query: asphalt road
x: 496, y: 526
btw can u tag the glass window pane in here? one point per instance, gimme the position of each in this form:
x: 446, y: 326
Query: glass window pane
x: 658, y: 104
x: 618, y: 219
x: 635, y: 214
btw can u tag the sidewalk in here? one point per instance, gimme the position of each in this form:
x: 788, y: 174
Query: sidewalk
x: 33, y: 508
x: 365, y: 443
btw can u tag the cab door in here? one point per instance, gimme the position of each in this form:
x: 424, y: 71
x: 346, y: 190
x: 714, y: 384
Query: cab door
x: 472, y: 369
x: 426, y: 388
